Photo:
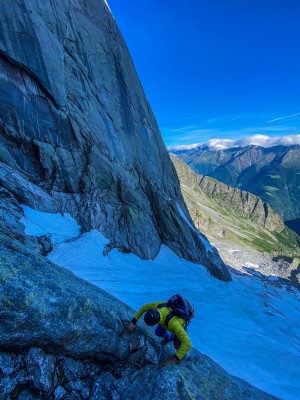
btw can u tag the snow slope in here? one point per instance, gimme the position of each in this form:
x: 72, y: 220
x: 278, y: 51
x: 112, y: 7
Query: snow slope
x: 250, y: 327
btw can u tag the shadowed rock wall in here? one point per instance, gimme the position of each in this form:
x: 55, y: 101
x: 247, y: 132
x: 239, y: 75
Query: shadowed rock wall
x: 77, y: 133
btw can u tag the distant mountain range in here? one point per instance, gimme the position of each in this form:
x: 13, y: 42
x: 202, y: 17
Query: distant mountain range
x: 239, y: 224
x: 271, y: 173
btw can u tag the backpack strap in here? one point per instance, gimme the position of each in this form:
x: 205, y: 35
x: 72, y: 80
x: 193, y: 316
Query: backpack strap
x: 169, y: 317
x: 162, y: 305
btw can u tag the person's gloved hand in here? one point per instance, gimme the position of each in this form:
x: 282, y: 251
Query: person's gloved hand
x: 131, y: 327
x: 171, y: 360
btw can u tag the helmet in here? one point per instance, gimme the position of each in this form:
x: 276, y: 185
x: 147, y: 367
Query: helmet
x: 152, y: 317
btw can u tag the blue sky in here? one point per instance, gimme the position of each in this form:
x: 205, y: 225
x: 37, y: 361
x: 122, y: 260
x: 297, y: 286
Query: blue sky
x: 216, y: 69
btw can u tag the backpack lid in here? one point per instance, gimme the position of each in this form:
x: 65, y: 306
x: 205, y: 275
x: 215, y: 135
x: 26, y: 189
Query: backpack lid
x: 181, y: 308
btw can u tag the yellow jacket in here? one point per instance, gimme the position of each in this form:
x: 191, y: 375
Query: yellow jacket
x: 176, y: 325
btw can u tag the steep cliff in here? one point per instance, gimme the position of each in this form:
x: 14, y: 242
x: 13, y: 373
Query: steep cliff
x: 233, y: 217
x: 78, y: 134
x: 271, y: 173
x: 242, y: 203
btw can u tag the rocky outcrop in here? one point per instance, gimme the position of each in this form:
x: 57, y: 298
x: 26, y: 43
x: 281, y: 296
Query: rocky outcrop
x: 243, y: 228
x: 271, y: 173
x: 63, y: 338
x: 238, y: 201
x: 77, y: 133
x: 296, y: 269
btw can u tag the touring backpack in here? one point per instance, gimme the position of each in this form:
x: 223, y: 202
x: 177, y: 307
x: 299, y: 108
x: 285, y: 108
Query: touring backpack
x: 181, y: 308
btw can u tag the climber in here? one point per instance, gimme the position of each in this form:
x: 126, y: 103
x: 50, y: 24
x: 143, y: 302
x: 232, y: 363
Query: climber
x: 170, y: 327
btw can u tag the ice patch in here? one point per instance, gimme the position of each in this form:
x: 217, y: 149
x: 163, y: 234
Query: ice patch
x: 248, y: 327
x: 59, y: 227
x: 251, y: 265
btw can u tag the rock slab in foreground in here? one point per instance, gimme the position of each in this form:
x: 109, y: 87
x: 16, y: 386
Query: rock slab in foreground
x: 61, y: 337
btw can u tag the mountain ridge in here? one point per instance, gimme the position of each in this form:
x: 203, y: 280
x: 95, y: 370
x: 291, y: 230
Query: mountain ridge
x: 239, y: 219
x: 271, y: 173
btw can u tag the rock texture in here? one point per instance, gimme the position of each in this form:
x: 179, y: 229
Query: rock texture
x: 242, y: 227
x: 62, y: 338
x: 240, y: 202
x: 77, y: 133
x: 271, y: 173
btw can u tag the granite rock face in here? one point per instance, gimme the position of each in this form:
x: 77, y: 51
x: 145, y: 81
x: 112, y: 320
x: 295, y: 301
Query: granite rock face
x: 77, y: 133
x: 63, y: 338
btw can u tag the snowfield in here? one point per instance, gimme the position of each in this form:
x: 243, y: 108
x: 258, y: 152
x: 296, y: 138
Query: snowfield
x: 250, y: 327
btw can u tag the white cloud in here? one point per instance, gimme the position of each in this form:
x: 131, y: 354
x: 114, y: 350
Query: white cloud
x: 183, y: 129
x: 288, y: 116
x: 221, y: 144
x: 267, y: 141
x: 256, y: 140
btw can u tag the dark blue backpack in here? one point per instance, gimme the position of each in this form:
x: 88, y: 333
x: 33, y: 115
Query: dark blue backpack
x: 181, y: 308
